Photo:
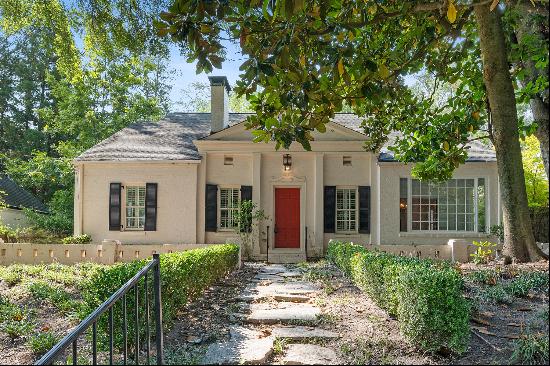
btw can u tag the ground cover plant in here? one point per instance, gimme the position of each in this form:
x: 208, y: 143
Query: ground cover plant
x: 39, y: 303
x: 424, y: 295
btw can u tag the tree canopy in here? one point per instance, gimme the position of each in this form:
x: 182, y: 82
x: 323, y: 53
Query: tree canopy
x: 71, y: 75
x: 307, y: 60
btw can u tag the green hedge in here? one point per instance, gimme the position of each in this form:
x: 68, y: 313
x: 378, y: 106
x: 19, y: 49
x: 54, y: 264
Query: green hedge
x: 425, y: 295
x: 184, y: 276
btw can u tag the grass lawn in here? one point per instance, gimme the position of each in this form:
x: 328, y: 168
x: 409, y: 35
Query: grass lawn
x: 38, y: 305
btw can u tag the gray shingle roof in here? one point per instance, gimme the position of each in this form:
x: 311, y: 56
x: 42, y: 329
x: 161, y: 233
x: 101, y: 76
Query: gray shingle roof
x: 17, y: 197
x: 172, y: 137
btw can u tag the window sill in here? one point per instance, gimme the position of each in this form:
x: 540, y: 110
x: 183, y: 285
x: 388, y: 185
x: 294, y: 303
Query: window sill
x: 446, y: 234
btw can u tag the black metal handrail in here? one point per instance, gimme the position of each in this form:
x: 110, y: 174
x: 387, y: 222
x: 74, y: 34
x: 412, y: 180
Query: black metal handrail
x: 92, y: 319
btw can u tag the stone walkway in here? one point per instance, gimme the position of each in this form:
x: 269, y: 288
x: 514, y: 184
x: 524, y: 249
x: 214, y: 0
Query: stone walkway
x: 277, y: 323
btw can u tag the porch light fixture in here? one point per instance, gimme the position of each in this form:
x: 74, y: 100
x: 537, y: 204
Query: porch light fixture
x: 287, y: 162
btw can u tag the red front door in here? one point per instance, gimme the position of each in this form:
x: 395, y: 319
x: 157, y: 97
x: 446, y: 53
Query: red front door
x: 287, y: 217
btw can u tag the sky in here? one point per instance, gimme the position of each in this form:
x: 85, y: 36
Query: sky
x: 185, y: 73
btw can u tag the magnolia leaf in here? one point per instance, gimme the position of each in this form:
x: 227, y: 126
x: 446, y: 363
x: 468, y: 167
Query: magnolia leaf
x: 445, y: 146
x: 302, y: 60
x: 383, y: 71
x: 475, y: 114
x: 341, y: 67
x: 451, y: 12
x: 494, y: 4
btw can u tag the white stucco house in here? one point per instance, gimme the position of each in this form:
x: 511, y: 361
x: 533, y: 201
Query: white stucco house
x: 179, y: 180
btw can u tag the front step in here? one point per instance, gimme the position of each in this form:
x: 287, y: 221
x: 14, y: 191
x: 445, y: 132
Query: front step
x: 286, y: 258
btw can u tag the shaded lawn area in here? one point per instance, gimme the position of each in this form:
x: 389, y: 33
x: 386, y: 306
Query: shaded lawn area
x: 39, y: 304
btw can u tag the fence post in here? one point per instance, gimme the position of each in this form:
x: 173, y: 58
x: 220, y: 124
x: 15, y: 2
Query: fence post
x: 158, y: 311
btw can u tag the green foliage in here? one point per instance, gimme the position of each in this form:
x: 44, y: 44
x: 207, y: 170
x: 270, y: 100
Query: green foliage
x: 7, y: 234
x: 248, y: 219
x: 497, y: 288
x: 483, y: 252
x: 196, y: 98
x: 425, y: 295
x: 184, y: 276
x: 78, y: 239
x: 528, y: 281
x: 41, y: 343
x: 60, y: 96
x: 306, y: 61
x: 56, y: 295
x: 536, y: 181
x: 14, y: 321
x: 531, y: 349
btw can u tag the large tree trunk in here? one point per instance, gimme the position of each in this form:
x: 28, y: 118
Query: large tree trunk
x: 519, y: 242
x: 530, y: 24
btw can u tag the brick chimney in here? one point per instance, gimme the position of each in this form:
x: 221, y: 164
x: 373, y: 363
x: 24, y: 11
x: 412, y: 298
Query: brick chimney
x: 219, y: 103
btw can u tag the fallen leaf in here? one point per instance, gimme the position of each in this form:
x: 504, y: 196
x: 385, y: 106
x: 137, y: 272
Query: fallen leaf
x: 481, y: 321
x: 494, y: 4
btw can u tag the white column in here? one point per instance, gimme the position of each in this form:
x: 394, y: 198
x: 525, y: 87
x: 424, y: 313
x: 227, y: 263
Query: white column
x: 256, y: 199
x: 78, y: 192
x: 201, y: 191
x: 317, y: 246
x: 375, y: 201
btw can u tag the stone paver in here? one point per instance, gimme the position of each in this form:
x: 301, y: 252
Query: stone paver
x: 285, y: 312
x: 244, y: 346
x: 309, y: 354
x: 298, y: 333
x: 277, y: 297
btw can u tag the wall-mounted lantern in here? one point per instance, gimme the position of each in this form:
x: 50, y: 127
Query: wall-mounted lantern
x: 287, y: 162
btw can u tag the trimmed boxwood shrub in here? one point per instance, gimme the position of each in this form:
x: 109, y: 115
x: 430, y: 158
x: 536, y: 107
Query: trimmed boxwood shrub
x: 184, y: 276
x: 425, y: 295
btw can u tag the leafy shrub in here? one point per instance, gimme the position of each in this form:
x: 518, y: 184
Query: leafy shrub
x: 531, y: 349
x: 41, y: 343
x: 184, y: 276
x: 77, y: 239
x: 483, y: 252
x: 425, y: 295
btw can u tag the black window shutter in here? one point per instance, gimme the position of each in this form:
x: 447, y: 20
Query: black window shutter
x: 114, y: 206
x: 211, y: 208
x: 364, y: 209
x: 150, y: 207
x: 329, y: 208
x: 246, y: 195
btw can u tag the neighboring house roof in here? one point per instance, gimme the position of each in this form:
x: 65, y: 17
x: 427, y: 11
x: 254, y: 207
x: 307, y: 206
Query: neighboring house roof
x: 15, y: 196
x: 172, y: 137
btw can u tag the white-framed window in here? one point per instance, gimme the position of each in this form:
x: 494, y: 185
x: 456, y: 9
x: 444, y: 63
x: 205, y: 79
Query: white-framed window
x: 455, y: 205
x: 229, y: 208
x: 346, y: 209
x: 135, y: 207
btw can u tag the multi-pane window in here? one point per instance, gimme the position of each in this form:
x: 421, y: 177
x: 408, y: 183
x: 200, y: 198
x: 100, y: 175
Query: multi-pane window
x: 135, y: 207
x: 448, y: 206
x: 346, y: 209
x: 229, y: 207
